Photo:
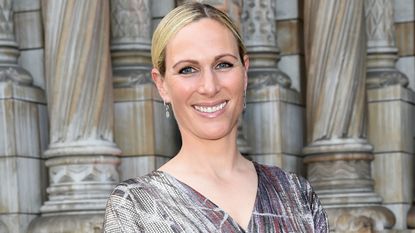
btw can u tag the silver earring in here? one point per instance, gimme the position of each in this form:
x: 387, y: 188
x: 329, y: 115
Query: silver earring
x: 245, y: 99
x: 167, y: 109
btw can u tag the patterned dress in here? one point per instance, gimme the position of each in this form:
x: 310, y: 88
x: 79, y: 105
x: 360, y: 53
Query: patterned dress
x: 158, y: 202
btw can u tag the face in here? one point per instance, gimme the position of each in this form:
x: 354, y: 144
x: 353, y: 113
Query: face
x: 204, y: 80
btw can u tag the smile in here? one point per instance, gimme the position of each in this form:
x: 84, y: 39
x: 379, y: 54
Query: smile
x: 210, y: 109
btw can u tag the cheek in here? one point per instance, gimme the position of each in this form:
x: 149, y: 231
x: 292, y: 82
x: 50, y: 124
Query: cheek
x: 236, y: 85
x: 179, y: 91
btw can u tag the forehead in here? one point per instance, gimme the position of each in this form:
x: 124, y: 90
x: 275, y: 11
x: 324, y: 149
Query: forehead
x: 200, y: 39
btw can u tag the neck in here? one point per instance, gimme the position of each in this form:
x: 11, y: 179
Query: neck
x: 210, y: 156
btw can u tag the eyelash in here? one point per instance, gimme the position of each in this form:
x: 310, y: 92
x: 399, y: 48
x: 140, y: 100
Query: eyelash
x: 190, y: 70
x: 227, y: 65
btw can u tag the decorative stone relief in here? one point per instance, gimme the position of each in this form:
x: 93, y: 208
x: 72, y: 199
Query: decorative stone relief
x: 379, y: 29
x: 381, y: 42
x: 9, y: 51
x: 263, y: 79
x: 90, y: 170
x: 6, y: 21
x: 130, y: 21
x: 11, y: 74
x: 360, y: 220
x: 355, y: 169
x: 259, y: 33
x: 130, y: 42
x: 258, y: 17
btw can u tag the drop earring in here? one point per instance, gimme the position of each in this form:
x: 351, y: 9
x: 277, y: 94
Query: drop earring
x: 167, y: 109
x: 245, y: 99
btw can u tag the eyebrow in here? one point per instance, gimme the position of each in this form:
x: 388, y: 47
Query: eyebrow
x: 215, y: 59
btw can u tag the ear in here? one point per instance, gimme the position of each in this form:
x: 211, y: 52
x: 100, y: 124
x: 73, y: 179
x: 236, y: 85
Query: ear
x: 246, y: 65
x: 160, y: 84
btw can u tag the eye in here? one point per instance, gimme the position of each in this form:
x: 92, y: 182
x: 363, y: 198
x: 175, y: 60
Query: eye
x: 224, y: 65
x: 187, y: 70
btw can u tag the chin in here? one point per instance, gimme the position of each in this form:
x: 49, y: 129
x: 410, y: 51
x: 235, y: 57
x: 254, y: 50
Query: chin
x: 214, y: 133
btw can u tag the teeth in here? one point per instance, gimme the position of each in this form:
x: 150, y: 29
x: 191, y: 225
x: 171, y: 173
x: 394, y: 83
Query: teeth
x: 210, y: 109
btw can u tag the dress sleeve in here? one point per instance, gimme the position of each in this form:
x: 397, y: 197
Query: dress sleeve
x: 319, y: 214
x: 120, y: 213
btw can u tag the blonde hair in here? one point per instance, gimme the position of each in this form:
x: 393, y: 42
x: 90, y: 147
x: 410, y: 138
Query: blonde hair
x: 179, y: 18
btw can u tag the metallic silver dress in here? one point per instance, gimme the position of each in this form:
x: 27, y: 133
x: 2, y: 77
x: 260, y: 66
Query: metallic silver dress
x: 158, y: 202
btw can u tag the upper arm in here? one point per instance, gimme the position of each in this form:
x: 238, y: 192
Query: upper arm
x: 319, y: 214
x: 120, y: 213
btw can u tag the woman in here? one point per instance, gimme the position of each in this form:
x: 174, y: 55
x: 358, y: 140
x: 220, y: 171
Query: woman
x: 200, y: 69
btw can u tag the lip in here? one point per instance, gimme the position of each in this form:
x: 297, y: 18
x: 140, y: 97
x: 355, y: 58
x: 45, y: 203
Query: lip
x: 212, y: 109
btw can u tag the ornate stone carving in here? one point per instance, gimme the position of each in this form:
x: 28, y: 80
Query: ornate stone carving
x: 130, y: 42
x: 72, y: 179
x: 264, y: 78
x: 130, y: 21
x: 132, y: 78
x: 6, y: 21
x: 379, y: 23
x: 9, y: 52
x: 89, y: 169
x: 382, y: 51
x: 364, y: 219
x: 355, y: 169
x: 12, y: 74
x: 258, y: 17
x: 259, y: 32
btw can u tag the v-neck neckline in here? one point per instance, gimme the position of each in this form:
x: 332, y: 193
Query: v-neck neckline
x: 230, y: 218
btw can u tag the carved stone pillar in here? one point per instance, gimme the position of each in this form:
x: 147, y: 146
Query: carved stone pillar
x: 81, y: 154
x: 142, y: 131
x: 381, y: 45
x: 390, y: 115
x: 20, y: 112
x: 338, y: 155
x: 273, y: 116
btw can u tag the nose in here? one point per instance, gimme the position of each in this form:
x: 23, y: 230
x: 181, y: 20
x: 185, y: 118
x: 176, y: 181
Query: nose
x: 209, y: 83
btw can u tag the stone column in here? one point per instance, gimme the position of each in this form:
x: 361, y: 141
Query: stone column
x: 381, y: 46
x: 142, y: 131
x: 20, y: 147
x: 390, y: 102
x: 338, y: 155
x: 274, y: 117
x: 81, y: 153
